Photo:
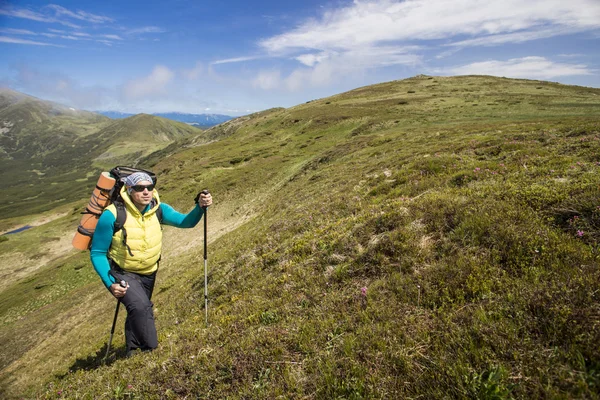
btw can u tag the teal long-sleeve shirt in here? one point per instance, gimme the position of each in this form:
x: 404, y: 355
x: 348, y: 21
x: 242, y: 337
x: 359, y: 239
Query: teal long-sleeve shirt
x: 104, y: 232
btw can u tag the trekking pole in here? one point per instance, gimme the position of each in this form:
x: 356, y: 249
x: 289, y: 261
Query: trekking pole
x: 112, y: 331
x: 205, y: 264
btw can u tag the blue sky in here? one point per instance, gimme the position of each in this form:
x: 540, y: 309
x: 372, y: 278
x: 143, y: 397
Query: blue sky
x: 236, y: 57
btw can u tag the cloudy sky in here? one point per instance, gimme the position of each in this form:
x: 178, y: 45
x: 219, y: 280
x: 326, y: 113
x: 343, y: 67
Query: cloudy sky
x: 235, y: 57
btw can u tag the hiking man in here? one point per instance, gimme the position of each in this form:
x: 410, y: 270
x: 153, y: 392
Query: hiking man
x: 132, y: 254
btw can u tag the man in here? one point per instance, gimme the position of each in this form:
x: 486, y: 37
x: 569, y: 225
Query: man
x: 132, y: 254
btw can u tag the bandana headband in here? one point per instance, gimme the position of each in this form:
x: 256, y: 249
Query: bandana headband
x: 135, y: 178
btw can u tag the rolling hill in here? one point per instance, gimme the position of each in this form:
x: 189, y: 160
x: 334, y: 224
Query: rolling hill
x: 433, y: 237
x: 56, y: 148
x: 136, y: 137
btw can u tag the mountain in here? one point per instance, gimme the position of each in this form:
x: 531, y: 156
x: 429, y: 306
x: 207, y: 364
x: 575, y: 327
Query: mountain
x: 133, y: 138
x: 48, y: 151
x: 198, y: 120
x: 33, y: 127
x: 365, y: 245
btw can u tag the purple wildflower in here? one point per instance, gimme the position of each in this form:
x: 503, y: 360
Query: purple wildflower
x: 363, y: 290
x: 580, y: 233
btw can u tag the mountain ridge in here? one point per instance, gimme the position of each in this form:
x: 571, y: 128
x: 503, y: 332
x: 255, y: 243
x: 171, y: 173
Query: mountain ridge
x: 200, y: 120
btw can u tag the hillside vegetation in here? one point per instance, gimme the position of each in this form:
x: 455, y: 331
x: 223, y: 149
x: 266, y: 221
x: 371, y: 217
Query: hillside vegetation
x: 50, y: 154
x: 144, y: 134
x: 435, y: 237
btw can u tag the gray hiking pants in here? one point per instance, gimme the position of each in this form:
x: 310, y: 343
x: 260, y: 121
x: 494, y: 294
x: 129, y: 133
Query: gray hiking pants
x: 140, y: 331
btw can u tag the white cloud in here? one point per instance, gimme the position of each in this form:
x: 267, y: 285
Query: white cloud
x: 312, y: 59
x: 321, y: 75
x: 53, y: 13
x: 574, y: 55
x: 26, y: 14
x: 78, y: 35
x: 327, y: 68
x: 80, y: 15
x: 112, y: 37
x: 58, y: 87
x: 526, y: 67
x: 6, y: 39
x: 146, y: 29
x: 346, y: 42
x: 374, y: 22
x: 11, y: 31
x: 68, y: 37
x: 233, y: 60
x: 154, y: 84
x: 516, y: 37
x: 267, y: 80
x: 193, y: 73
x: 34, y: 16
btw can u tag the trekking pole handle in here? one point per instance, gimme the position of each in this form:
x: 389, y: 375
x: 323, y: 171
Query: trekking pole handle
x: 205, y: 192
x: 123, y: 283
x: 197, y: 198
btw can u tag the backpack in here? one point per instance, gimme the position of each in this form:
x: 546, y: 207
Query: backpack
x: 108, y: 191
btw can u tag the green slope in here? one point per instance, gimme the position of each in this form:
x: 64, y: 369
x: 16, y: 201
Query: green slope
x: 131, y: 139
x: 431, y: 237
x: 50, y: 154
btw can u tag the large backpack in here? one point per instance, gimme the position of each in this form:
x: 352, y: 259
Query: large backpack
x: 102, y: 197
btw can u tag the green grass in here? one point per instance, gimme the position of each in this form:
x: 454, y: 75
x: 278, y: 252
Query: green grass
x: 387, y: 244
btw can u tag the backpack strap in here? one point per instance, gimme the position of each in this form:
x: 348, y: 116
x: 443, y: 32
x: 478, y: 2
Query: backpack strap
x: 121, y: 216
x: 159, y: 214
x: 120, y: 223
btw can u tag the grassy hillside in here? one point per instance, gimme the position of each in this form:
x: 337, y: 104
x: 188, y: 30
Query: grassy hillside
x: 50, y: 154
x: 431, y: 237
x: 131, y: 139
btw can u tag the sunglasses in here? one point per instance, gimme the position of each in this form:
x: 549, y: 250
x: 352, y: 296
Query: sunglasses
x: 140, y: 188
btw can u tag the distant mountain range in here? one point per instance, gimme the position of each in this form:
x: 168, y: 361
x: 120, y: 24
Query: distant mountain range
x: 199, y: 120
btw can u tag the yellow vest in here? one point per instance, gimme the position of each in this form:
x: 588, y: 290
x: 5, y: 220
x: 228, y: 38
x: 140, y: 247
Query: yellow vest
x: 144, y: 238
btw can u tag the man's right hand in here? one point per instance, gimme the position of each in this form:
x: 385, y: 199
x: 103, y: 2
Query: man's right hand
x: 118, y: 290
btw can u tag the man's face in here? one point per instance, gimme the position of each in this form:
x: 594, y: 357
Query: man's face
x: 144, y: 197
